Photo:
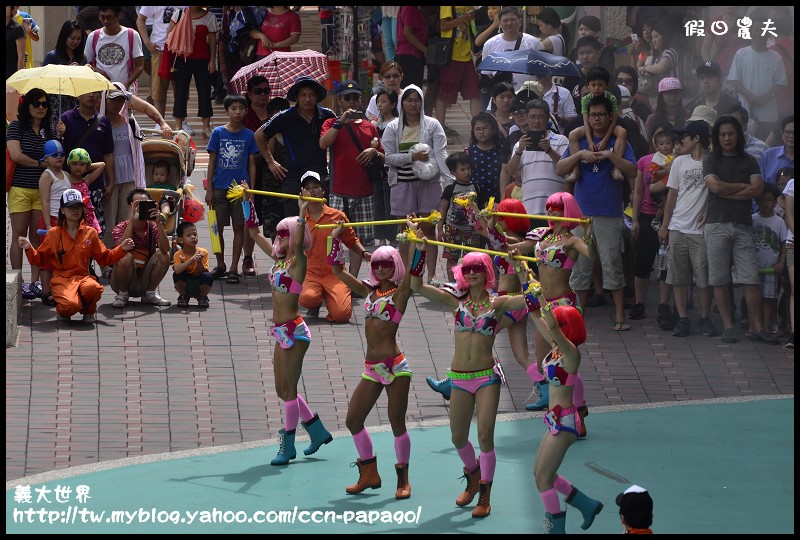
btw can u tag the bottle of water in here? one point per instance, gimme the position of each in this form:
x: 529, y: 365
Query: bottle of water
x: 662, y: 257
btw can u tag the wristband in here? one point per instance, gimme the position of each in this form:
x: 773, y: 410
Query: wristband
x: 337, y: 125
x: 335, y: 252
x: 531, y: 301
x: 364, y: 253
x: 418, y: 262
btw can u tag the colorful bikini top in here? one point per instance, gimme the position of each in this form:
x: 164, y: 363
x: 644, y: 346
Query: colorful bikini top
x: 554, y: 371
x: 281, y: 281
x: 485, y: 323
x: 555, y: 256
x: 382, y: 308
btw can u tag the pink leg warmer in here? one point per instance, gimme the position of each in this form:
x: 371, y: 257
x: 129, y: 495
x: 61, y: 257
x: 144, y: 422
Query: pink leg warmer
x: 467, y: 455
x: 488, y: 464
x: 562, y: 485
x: 305, y: 410
x: 363, y: 444
x: 402, y: 448
x: 534, y: 373
x: 551, y: 502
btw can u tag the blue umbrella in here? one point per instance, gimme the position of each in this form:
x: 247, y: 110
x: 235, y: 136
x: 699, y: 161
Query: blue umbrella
x: 529, y: 62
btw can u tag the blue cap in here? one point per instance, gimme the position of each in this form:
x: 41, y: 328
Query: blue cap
x: 53, y: 147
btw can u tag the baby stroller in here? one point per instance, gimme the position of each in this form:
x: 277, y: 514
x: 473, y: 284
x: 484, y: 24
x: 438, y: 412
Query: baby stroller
x: 179, y: 153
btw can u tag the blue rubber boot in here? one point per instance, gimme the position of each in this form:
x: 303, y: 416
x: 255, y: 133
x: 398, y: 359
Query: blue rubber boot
x: 588, y: 507
x: 544, y: 397
x: 443, y: 386
x: 555, y: 523
x: 286, y: 452
x: 319, y: 435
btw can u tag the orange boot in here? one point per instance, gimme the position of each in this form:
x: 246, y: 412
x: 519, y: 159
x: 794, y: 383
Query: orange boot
x: 368, y: 476
x: 473, y: 480
x: 403, y: 487
x: 484, y: 508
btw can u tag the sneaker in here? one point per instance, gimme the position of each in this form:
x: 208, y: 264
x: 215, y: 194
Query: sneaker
x: 707, y: 328
x: 666, y: 319
x: 187, y: 128
x: 89, y: 319
x: 27, y: 291
x: 202, y: 302
x: 183, y: 300
x: 248, y: 266
x: 729, y: 335
x: 765, y: 337
x: 120, y: 301
x: 683, y: 328
x: 155, y: 300
x: 790, y: 342
x: 637, y: 312
x: 774, y: 330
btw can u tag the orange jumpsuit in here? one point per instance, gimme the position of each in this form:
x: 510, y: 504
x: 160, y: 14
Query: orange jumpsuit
x: 73, y: 289
x: 320, y: 283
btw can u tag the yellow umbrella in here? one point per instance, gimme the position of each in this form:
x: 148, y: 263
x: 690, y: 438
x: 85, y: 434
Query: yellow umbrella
x: 58, y: 79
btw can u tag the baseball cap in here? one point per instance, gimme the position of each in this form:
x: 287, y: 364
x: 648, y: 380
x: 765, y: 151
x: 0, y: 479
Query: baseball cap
x: 636, y: 506
x: 348, y: 87
x: 52, y: 148
x: 79, y: 155
x: 309, y: 177
x: 709, y: 68
x: 517, y: 105
x: 114, y: 94
x: 697, y: 128
x: 71, y: 197
x: 705, y: 113
x: 669, y: 83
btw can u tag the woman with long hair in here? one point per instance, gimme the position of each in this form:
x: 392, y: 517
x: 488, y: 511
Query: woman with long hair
x: 669, y: 107
x: 67, y: 52
x: 386, y: 294
x: 664, y: 61
x: 628, y: 77
x: 25, y: 139
x: 475, y: 374
x: 557, y: 250
x: 291, y: 332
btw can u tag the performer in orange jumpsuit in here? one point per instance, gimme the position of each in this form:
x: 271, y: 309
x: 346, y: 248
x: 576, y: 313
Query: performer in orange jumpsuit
x: 68, y: 247
x: 320, y: 283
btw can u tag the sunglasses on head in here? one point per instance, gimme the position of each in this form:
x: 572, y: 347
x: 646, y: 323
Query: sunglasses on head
x: 472, y: 269
x: 377, y: 265
x: 260, y: 91
x: 554, y: 207
x: 41, y: 104
x: 282, y: 233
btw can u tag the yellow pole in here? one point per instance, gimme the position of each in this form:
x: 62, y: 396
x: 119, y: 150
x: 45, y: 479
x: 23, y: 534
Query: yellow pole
x: 365, y: 223
x: 237, y: 192
x: 537, y: 216
x: 470, y: 248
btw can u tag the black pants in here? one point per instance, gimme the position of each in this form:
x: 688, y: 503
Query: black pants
x: 202, y: 82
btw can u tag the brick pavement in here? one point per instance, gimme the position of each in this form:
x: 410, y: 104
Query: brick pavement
x: 147, y: 380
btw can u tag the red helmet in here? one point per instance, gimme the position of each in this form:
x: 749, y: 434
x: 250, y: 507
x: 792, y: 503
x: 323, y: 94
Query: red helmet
x: 193, y: 210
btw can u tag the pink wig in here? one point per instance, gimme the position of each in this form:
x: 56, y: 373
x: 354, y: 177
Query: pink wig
x: 475, y: 257
x: 290, y: 224
x: 517, y: 225
x: 571, y: 208
x: 388, y: 253
x: 571, y: 323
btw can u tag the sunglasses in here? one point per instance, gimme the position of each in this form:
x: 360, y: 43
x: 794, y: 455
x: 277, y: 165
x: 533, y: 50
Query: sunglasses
x: 260, y: 91
x: 282, y: 233
x: 41, y: 105
x: 554, y: 207
x: 624, y: 80
x: 377, y: 265
x: 472, y: 269
x: 56, y: 155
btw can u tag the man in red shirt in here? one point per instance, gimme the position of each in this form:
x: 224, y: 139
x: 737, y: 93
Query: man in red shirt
x: 354, y: 142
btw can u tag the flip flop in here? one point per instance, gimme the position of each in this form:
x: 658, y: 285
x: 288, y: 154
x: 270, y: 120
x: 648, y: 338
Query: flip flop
x: 621, y: 326
x: 233, y: 278
x: 219, y: 272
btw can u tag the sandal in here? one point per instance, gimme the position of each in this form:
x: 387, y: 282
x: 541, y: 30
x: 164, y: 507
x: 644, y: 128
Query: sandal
x: 233, y: 278
x: 183, y: 300
x: 48, y: 300
x: 219, y: 272
x: 621, y: 326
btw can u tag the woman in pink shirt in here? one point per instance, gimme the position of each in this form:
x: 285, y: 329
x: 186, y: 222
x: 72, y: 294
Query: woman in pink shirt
x: 279, y: 30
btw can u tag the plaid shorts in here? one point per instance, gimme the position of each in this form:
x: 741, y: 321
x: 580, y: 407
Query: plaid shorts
x: 356, y: 209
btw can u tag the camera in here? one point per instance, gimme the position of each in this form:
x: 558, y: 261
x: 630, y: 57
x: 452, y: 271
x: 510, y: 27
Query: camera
x: 356, y: 115
x: 144, y: 209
